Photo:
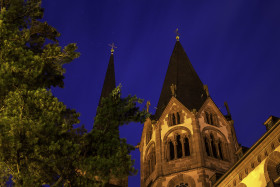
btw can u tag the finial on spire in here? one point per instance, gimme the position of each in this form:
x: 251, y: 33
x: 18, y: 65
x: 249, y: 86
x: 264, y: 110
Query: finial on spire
x: 148, y: 105
x: 112, y: 47
x: 177, y: 34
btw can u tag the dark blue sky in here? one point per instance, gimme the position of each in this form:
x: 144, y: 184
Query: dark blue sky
x: 233, y: 45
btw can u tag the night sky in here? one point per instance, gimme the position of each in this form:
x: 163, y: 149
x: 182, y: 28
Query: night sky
x: 233, y: 45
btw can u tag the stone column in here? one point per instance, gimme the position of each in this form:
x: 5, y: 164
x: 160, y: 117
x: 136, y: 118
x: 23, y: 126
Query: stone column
x: 209, y: 140
x: 197, y: 141
x: 158, y: 149
x: 225, y: 151
x: 217, y: 149
x: 168, y: 151
x: 175, y: 149
x: 183, y: 146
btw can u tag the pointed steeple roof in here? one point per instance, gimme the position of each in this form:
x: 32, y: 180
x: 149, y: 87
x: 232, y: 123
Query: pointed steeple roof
x: 109, y: 81
x: 181, y: 74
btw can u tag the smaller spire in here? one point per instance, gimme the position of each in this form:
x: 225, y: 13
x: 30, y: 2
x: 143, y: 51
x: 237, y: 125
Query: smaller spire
x: 177, y: 34
x: 112, y: 47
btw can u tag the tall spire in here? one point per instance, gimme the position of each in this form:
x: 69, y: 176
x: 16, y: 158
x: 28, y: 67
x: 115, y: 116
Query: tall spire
x: 109, y: 81
x: 181, y: 81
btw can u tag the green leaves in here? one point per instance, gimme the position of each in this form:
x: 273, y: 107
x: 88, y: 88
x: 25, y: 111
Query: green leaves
x: 34, y: 134
x: 36, y: 130
x: 103, y: 146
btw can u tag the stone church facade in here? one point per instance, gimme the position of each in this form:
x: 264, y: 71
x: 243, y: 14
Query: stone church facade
x: 189, y: 142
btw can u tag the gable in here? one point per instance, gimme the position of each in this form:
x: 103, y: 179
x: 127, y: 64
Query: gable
x: 174, y: 105
x: 210, y: 116
x: 173, y: 109
x: 212, y: 107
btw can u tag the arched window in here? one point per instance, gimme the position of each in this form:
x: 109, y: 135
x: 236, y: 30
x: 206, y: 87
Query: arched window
x: 149, y: 134
x: 150, y: 163
x: 171, y: 150
x: 214, y: 151
x: 173, y: 119
x: 211, y: 118
x: 179, y: 147
x: 215, y: 119
x: 207, y: 117
x: 187, y: 147
x: 272, y: 167
x: 278, y: 169
x: 178, y: 118
x: 207, y: 146
x: 183, y: 185
x: 220, y: 150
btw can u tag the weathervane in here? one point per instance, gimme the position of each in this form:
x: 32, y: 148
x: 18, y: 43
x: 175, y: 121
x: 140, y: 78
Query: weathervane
x: 112, y: 47
x: 177, y: 34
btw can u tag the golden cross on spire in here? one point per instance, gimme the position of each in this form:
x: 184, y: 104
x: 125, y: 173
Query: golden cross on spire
x: 177, y: 34
x: 112, y: 47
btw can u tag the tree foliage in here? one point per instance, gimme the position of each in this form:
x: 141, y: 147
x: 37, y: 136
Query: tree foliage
x: 38, y: 142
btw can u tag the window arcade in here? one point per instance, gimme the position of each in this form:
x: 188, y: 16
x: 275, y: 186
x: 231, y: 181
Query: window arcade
x: 179, y: 148
x: 175, y: 118
x: 211, y: 118
x: 214, y: 147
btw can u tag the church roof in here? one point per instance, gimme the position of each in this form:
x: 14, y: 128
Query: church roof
x: 189, y: 88
x: 109, y: 81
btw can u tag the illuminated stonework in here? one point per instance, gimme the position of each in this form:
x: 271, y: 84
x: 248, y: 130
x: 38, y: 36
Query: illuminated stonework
x: 189, y: 142
x: 189, y: 145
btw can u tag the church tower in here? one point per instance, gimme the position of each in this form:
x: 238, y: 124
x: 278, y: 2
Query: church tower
x: 108, y: 86
x: 109, y: 82
x: 188, y: 140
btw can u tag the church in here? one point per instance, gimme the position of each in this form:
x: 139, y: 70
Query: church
x: 189, y: 142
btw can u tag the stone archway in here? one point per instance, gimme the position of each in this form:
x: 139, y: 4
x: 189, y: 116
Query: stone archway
x: 181, y: 180
x: 272, y: 167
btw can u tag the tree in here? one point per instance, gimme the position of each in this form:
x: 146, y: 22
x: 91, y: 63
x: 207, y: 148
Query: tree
x: 103, y: 148
x: 38, y: 142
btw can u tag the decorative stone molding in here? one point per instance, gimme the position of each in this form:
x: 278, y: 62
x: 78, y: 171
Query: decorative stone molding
x: 241, y: 185
x: 150, y: 146
x: 259, y: 158
x: 272, y: 146
x: 149, y: 160
x: 181, y: 178
x: 270, y: 166
x: 246, y: 171
x: 149, y: 133
x: 253, y: 165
